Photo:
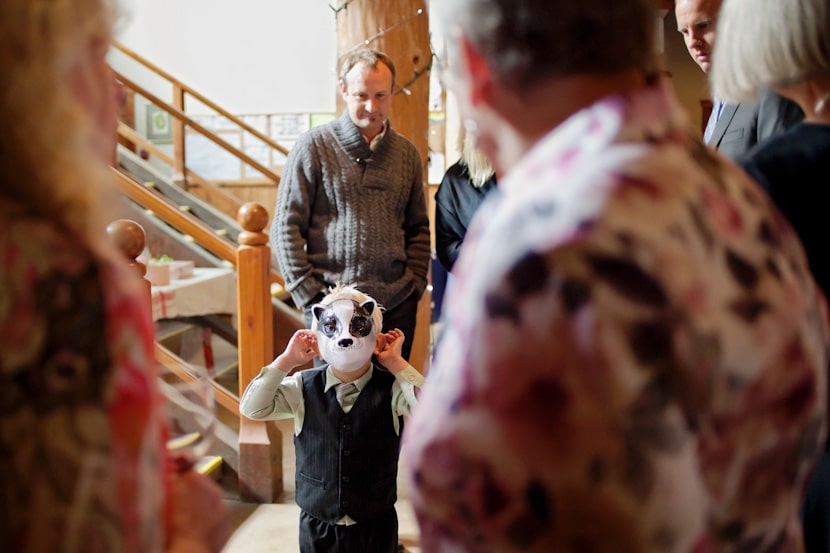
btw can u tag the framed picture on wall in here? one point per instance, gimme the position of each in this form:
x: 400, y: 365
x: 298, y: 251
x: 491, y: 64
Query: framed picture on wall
x: 159, y: 129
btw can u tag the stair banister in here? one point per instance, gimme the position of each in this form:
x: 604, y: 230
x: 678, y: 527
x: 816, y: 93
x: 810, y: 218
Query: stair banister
x: 129, y: 238
x: 186, y: 89
x: 218, y: 197
x: 182, y: 118
x: 260, y: 451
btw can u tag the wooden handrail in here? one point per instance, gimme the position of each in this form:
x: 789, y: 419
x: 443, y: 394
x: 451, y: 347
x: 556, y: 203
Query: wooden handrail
x: 180, y: 368
x: 255, y: 316
x: 258, y: 451
x: 129, y: 238
x: 171, y: 214
x: 132, y: 136
x: 219, y: 198
x: 152, y: 67
x: 181, y: 116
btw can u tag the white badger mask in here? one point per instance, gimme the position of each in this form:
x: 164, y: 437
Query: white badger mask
x: 346, y: 333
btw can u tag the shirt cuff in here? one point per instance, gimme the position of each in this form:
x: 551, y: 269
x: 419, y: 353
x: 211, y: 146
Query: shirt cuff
x: 411, y: 375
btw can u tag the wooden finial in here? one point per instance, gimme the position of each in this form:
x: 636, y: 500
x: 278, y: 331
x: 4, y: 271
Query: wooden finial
x: 253, y: 218
x: 128, y: 236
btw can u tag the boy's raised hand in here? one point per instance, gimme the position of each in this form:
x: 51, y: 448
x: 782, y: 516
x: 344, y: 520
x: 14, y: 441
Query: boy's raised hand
x: 300, y: 350
x: 388, y: 350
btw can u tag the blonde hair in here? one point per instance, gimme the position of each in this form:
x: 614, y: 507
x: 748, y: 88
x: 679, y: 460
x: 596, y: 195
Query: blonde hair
x: 478, y: 166
x: 342, y: 292
x: 48, y: 163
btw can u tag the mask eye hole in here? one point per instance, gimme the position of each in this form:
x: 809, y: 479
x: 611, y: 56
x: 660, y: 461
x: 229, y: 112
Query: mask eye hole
x: 328, y: 325
x: 360, y: 326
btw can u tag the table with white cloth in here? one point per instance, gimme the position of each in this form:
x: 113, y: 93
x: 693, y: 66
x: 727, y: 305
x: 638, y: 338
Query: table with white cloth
x: 208, y: 291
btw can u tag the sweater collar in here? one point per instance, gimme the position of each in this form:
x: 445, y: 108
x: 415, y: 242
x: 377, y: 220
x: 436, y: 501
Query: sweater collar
x: 350, y: 139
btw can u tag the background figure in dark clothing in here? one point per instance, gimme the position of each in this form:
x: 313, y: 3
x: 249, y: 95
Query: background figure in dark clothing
x: 794, y: 59
x: 464, y: 186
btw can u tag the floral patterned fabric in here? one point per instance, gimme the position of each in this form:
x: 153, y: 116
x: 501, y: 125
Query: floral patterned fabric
x: 634, y: 356
x: 81, y: 446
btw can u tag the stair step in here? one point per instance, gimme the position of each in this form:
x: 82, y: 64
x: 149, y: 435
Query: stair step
x: 171, y: 327
x: 210, y: 465
x: 220, y: 372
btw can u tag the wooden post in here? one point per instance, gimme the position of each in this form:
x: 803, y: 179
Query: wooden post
x: 400, y: 29
x: 129, y: 238
x: 126, y: 115
x: 260, y: 448
x: 179, y: 157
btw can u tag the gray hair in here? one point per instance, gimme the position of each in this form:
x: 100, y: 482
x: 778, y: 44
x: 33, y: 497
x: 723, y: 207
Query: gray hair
x: 783, y: 42
x: 529, y: 41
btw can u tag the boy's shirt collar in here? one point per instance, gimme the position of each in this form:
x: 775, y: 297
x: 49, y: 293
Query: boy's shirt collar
x: 332, y: 380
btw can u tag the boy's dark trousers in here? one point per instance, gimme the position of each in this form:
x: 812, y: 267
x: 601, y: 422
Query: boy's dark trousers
x: 379, y: 535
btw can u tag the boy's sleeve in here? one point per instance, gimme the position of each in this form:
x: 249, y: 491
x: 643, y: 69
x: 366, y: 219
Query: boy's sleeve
x: 403, y: 390
x: 272, y: 396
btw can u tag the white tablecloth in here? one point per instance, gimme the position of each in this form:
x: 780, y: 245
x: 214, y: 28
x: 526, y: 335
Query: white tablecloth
x: 208, y: 291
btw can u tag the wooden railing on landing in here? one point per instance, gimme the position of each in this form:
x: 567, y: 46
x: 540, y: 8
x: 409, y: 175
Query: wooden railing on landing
x: 216, y: 196
x: 180, y: 89
x: 259, y: 463
x: 170, y: 213
x: 182, y: 120
x: 183, y: 176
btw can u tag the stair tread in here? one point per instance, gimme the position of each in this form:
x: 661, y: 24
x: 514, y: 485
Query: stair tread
x: 171, y: 328
x: 209, y: 465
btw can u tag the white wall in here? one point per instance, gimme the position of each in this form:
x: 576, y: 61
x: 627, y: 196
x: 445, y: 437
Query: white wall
x: 249, y: 56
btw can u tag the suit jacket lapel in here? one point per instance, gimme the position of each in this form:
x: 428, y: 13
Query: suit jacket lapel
x: 726, y: 115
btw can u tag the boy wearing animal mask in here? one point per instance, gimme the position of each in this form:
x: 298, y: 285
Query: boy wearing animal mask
x: 348, y: 419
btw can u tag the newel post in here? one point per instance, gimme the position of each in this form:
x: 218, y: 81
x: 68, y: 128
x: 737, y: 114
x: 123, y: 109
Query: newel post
x: 260, y: 445
x: 129, y: 238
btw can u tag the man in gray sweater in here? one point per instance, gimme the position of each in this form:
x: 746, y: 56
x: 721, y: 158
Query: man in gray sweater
x: 350, y: 206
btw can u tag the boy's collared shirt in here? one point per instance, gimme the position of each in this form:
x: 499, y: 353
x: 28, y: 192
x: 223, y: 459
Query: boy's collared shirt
x: 274, y: 395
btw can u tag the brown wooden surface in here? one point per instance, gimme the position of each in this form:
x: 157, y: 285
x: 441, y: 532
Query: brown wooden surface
x: 179, y: 154
x: 258, y: 452
x: 129, y: 238
x: 181, y: 368
x: 170, y: 213
x: 400, y: 29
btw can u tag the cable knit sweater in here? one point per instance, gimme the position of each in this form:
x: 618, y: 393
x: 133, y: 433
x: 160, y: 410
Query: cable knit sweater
x: 347, y: 214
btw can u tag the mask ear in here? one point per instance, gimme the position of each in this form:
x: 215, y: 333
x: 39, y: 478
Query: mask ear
x: 369, y: 306
x: 318, y: 310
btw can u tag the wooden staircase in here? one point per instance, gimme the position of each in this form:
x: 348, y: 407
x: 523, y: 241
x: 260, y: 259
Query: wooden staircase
x: 251, y: 450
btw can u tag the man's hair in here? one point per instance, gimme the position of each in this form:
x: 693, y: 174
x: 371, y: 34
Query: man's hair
x: 784, y: 42
x: 367, y: 58
x: 528, y: 41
